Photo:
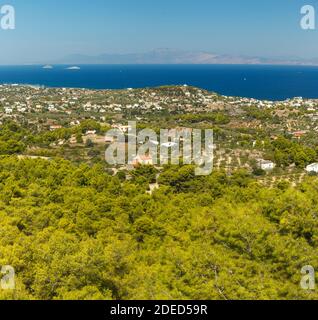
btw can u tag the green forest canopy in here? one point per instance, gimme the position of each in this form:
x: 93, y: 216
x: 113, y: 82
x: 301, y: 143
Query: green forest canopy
x: 75, y: 232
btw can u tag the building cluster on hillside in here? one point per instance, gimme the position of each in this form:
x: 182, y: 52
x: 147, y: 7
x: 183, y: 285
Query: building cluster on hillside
x: 20, y: 100
x: 297, y: 102
x: 243, y: 121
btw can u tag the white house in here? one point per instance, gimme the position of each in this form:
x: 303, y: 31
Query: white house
x: 169, y: 144
x: 266, y: 165
x: 109, y: 139
x: 312, y: 168
x: 123, y: 129
x: 55, y: 127
x: 90, y: 132
x: 143, y: 160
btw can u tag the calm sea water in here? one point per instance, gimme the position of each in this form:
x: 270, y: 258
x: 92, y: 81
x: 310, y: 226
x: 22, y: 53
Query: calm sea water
x: 261, y: 82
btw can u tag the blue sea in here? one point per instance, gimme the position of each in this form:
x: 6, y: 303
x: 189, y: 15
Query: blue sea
x: 261, y: 82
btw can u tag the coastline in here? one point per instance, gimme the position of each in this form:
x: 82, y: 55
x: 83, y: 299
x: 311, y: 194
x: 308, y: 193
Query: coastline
x: 261, y: 82
x: 233, y: 98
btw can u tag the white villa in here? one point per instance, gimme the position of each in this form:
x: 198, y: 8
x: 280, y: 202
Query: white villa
x: 266, y: 165
x: 90, y: 132
x: 312, y: 168
x: 143, y: 160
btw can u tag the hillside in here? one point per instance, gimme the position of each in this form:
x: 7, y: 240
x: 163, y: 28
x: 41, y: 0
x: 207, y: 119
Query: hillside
x: 77, y: 233
x: 75, y: 227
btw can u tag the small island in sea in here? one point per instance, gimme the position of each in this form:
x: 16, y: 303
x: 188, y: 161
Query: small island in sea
x: 73, y: 68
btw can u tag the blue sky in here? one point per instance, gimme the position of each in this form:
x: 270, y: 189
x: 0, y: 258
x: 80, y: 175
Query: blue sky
x: 50, y: 29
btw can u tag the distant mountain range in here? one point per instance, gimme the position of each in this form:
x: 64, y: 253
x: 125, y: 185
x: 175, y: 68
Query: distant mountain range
x: 172, y: 56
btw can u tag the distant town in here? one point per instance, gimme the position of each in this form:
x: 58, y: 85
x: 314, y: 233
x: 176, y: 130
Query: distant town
x: 250, y: 134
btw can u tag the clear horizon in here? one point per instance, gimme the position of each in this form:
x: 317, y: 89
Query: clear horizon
x: 49, y: 31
